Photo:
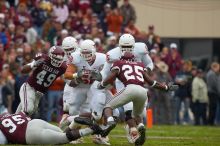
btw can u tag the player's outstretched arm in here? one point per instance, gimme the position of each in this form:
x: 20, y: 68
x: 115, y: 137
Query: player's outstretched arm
x: 71, y: 72
x: 30, y: 66
x: 158, y: 85
x: 109, y: 80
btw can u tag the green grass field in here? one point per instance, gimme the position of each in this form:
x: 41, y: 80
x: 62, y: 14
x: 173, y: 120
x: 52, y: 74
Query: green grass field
x: 168, y: 136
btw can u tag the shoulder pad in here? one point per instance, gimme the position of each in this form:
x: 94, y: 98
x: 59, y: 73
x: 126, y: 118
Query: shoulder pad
x: 76, y: 57
x: 113, y: 55
x: 140, y: 48
x: 39, y: 56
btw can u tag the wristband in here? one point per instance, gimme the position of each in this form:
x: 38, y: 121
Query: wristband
x: 31, y: 64
x: 75, y: 75
x: 154, y: 83
x: 166, y: 87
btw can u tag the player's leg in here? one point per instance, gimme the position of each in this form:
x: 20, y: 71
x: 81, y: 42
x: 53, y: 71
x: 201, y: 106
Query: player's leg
x: 78, y: 98
x: 41, y: 132
x: 138, y: 107
x: 120, y: 98
x: 27, y: 96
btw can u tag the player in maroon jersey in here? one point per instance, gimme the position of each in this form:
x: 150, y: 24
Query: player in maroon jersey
x: 45, y: 69
x: 133, y: 75
x: 20, y: 129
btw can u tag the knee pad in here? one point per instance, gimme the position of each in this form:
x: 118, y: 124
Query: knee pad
x: 128, y: 115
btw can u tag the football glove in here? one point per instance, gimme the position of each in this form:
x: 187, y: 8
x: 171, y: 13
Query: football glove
x: 38, y: 63
x: 96, y: 75
x: 172, y: 87
x: 84, y: 76
x: 100, y: 86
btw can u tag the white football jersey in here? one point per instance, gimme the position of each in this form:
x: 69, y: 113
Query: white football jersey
x: 80, y: 63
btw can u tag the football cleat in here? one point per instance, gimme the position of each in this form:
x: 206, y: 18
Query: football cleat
x: 64, y: 123
x: 141, y: 129
x: 134, y: 134
x: 111, y: 125
x: 97, y: 139
x: 87, y: 121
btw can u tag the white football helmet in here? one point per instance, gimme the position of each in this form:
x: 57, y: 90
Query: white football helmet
x: 88, y: 50
x: 126, y: 43
x: 69, y: 45
x: 56, y: 55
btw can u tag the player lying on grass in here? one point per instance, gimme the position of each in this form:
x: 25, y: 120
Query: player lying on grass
x: 20, y: 129
x: 133, y: 75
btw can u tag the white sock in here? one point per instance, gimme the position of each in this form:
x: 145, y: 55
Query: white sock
x: 110, y: 119
x: 71, y: 118
x: 85, y: 132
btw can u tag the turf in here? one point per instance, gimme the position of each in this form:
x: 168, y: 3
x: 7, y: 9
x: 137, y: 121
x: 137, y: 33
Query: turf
x: 168, y: 136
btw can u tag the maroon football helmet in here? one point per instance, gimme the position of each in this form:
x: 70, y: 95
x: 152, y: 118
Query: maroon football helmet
x: 56, y: 55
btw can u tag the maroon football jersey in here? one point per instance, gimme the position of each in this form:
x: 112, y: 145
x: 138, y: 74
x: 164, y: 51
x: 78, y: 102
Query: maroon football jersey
x: 45, y: 74
x: 129, y: 72
x: 14, y: 127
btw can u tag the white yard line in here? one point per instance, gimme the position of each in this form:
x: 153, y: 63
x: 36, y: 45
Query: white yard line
x: 155, y: 137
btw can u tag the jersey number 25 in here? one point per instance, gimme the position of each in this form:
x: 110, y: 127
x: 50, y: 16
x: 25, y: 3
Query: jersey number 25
x: 136, y: 72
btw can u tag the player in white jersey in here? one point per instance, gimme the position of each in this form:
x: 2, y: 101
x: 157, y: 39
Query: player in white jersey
x: 140, y: 51
x: 88, y: 64
x: 69, y: 45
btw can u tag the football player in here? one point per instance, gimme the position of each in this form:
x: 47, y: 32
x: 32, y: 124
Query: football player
x: 69, y: 45
x: 45, y: 69
x: 20, y: 129
x: 140, y: 51
x: 85, y: 96
x: 133, y: 75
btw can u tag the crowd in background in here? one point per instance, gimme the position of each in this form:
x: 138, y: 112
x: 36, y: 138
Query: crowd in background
x: 31, y: 26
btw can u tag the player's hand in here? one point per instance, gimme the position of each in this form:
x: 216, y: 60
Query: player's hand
x: 38, y: 63
x: 84, y: 76
x: 96, y: 75
x: 172, y: 87
x: 100, y: 86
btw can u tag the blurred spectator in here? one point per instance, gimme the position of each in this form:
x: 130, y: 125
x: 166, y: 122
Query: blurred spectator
x: 173, y: 60
x: 113, y: 3
x: 21, y: 14
x: 163, y: 100
x: 20, y: 56
x: 112, y: 43
x: 3, y: 38
x: 10, y: 33
x: 98, y: 44
x: 20, y: 37
x: 1, y: 56
x: 61, y: 11
x: 153, y: 54
x: 182, y: 95
x: 132, y: 29
x: 114, y: 21
x: 30, y: 32
x: 199, y: 98
x: 79, y: 5
x: 103, y: 16
x: 39, y: 17
x: 97, y: 6
x: 6, y: 97
x: 54, y: 94
x: 53, y: 32
x: 152, y: 38
x: 59, y: 38
x: 128, y: 13
x: 85, y: 29
x: 212, y: 83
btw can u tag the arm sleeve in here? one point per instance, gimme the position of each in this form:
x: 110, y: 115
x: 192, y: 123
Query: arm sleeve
x: 148, y: 62
x: 106, y: 70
